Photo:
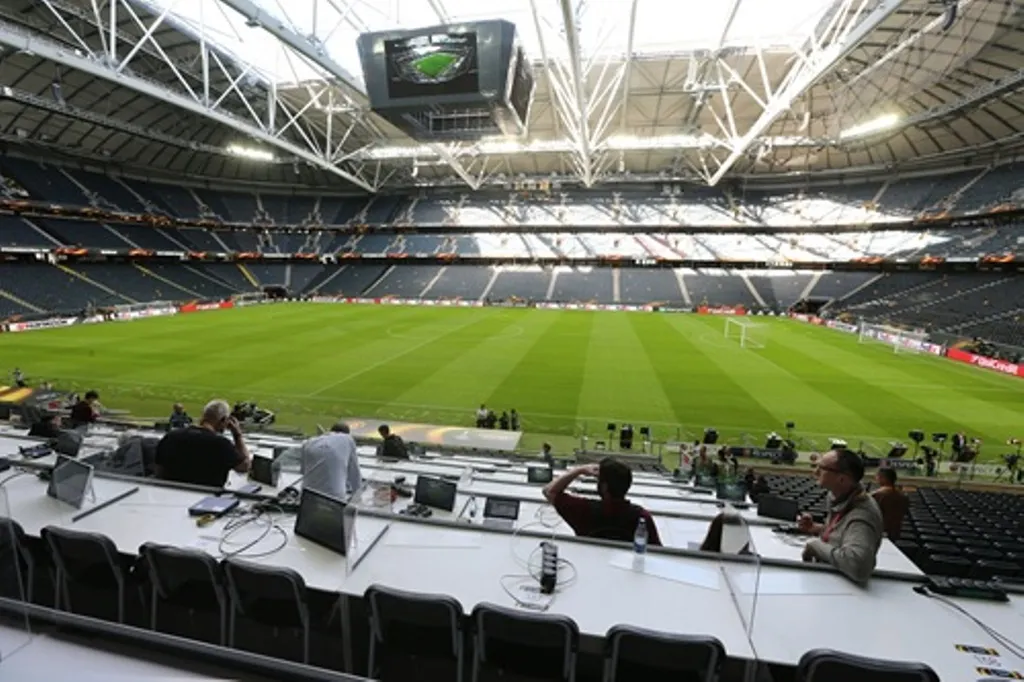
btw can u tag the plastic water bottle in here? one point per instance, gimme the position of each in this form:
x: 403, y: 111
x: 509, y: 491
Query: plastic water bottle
x: 640, y: 537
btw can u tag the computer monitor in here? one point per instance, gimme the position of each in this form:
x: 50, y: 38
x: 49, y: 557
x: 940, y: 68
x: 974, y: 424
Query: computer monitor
x: 264, y: 470
x: 706, y: 481
x: 536, y: 474
x: 501, y: 508
x: 735, y: 491
x: 777, y: 507
x: 69, y: 481
x: 321, y: 520
x: 435, y: 492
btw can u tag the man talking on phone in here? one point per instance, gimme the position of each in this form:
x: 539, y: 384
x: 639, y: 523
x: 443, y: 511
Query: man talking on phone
x: 201, y: 455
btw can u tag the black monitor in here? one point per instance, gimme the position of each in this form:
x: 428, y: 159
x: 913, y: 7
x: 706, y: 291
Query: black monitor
x: 734, y: 491
x: 69, y: 481
x: 264, y: 470
x: 321, y: 520
x: 435, y: 492
x: 501, y: 508
x: 706, y: 481
x: 536, y: 474
x: 777, y: 507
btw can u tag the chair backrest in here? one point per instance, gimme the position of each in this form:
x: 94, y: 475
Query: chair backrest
x: 504, y: 635
x: 74, y: 552
x: 634, y: 653
x: 826, y: 665
x: 12, y: 559
x: 171, y: 568
x: 397, y: 614
x: 264, y: 593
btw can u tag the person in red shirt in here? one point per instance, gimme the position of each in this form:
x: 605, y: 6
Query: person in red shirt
x: 612, y: 517
x: 86, y: 411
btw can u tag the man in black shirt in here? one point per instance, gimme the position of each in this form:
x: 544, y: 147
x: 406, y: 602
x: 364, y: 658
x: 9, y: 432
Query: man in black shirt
x: 86, y: 411
x: 200, y: 454
x: 392, y: 447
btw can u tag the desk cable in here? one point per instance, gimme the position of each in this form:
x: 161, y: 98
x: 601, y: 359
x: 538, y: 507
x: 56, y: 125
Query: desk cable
x: 242, y: 520
x: 533, y: 572
x: 1014, y: 647
x: 13, y: 476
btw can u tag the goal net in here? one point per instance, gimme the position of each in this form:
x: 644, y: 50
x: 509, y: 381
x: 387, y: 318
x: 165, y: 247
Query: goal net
x: 901, y: 340
x: 749, y: 334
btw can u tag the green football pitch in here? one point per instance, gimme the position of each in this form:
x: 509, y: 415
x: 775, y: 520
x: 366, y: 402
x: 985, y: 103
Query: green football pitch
x: 567, y: 373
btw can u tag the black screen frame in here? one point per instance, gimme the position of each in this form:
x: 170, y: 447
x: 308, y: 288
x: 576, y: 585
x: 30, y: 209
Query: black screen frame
x: 423, y: 497
x: 51, y: 488
x: 492, y: 502
x: 303, y: 531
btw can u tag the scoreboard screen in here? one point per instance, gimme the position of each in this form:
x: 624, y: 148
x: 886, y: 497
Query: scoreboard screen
x: 431, y: 65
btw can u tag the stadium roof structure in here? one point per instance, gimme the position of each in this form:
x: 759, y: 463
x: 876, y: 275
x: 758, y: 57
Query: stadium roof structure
x: 701, y: 91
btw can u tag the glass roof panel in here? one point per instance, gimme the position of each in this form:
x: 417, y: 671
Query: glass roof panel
x: 662, y: 26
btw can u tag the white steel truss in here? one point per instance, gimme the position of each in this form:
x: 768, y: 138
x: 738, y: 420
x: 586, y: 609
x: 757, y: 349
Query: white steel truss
x: 829, y: 46
x: 276, y: 122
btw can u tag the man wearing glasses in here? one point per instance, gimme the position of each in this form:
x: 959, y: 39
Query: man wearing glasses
x: 852, y: 533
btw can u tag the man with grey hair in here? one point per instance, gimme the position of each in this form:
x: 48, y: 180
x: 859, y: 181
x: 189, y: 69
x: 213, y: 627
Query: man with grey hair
x: 330, y: 464
x: 200, y: 454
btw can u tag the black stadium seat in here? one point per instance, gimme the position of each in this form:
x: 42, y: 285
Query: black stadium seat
x: 824, y: 665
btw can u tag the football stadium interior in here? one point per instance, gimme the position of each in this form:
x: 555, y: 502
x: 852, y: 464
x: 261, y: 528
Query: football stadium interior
x: 748, y: 249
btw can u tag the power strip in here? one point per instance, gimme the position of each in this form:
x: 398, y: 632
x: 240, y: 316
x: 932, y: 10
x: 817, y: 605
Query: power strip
x: 548, y: 567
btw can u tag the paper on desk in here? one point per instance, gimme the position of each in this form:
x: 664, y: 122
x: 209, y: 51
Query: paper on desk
x: 402, y: 535
x: 679, y: 570
x: 779, y: 584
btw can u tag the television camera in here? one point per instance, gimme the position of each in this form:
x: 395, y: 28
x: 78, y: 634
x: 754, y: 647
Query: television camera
x: 248, y: 413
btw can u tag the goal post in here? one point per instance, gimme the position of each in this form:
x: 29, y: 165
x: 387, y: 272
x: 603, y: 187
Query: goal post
x: 750, y: 334
x: 901, y: 340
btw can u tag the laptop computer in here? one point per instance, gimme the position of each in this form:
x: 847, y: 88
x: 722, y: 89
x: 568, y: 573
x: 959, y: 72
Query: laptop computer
x: 321, y: 519
x: 538, y: 474
x: 735, y: 491
x: 264, y: 470
x: 70, y: 481
x: 501, y: 513
x: 437, y: 493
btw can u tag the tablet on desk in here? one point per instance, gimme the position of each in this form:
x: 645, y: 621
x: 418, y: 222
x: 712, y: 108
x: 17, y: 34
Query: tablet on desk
x: 69, y: 481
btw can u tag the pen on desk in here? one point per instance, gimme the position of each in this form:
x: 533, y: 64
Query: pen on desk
x: 105, y: 504
x: 368, y: 549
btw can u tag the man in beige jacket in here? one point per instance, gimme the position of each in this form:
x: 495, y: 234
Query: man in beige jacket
x: 852, y: 533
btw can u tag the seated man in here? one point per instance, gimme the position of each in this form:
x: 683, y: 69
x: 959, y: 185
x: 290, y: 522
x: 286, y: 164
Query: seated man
x: 612, y: 517
x: 47, y: 427
x: 86, y: 411
x: 392, y: 447
x: 330, y: 464
x: 179, y: 418
x: 893, y: 503
x: 852, y: 534
x: 200, y: 454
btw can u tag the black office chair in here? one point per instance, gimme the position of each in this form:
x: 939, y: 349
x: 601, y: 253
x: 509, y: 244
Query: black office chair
x: 188, y: 579
x: 826, y: 665
x: 635, y: 654
x: 537, y: 645
x: 418, y: 626
x: 275, y: 597
x: 17, y: 565
x: 89, y: 561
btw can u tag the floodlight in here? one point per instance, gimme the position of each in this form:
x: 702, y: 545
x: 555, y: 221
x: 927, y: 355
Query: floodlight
x: 873, y: 126
x: 250, y: 153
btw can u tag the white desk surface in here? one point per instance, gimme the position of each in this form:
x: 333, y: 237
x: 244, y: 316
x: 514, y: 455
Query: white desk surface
x: 887, y: 620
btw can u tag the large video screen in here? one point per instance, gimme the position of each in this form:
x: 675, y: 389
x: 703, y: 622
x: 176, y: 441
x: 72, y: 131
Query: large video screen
x: 432, y: 65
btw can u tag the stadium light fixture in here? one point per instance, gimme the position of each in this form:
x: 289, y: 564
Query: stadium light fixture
x: 251, y: 153
x: 875, y: 125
